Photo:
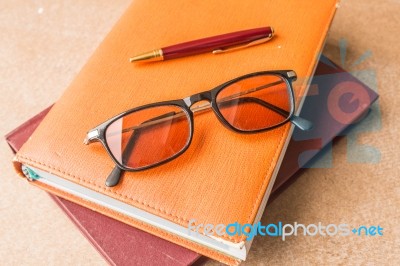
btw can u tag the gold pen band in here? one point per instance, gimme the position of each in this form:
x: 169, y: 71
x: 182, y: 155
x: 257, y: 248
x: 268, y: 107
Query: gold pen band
x: 155, y: 55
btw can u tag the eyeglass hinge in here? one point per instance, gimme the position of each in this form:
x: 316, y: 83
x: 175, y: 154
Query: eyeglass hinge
x: 91, y: 135
x: 291, y: 74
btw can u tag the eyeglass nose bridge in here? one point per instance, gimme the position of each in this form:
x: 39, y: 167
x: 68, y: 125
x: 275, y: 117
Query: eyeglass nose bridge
x: 202, y: 96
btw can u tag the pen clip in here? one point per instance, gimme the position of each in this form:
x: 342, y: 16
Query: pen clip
x: 237, y: 47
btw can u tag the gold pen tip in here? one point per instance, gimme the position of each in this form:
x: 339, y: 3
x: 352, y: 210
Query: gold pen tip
x: 155, y: 55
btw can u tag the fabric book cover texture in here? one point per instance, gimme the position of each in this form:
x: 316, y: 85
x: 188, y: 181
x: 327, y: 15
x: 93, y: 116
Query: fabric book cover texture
x: 243, y: 166
x: 96, y: 227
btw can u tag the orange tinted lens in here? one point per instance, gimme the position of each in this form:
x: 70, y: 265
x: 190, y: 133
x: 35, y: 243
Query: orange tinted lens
x: 255, y: 103
x: 149, y: 136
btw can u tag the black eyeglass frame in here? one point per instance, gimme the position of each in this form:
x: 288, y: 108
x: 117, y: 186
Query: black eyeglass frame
x: 98, y: 133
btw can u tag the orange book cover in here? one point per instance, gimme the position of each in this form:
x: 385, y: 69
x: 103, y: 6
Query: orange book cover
x: 224, y: 177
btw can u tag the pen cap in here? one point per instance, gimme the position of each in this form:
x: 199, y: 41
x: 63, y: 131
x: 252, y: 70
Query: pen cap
x: 210, y: 44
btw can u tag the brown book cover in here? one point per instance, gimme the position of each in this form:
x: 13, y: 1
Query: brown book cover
x: 151, y: 250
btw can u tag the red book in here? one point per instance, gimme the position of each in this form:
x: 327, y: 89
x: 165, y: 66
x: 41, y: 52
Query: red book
x: 340, y: 99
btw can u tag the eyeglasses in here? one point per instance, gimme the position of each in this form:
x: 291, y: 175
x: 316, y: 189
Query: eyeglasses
x: 153, y: 134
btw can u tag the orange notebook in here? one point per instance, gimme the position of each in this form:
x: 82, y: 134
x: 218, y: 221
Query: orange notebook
x: 224, y: 177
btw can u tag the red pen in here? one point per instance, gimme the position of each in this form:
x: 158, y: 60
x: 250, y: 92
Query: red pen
x: 215, y: 44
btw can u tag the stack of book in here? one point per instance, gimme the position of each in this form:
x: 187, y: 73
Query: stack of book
x: 224, y: 177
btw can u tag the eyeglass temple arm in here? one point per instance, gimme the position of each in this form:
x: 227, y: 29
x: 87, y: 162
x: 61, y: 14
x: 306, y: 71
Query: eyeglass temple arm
x: 298, y: 121
x: 301, y: 123
x: 115, y: 175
